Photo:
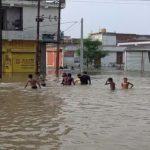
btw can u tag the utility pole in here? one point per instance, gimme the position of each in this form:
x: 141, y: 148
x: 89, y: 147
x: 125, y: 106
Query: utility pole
x: 37, y: 38
x: 81, y: 47
x: 1, y: 39
x: 58, y: 39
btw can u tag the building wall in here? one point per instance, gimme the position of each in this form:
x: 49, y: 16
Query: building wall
x: 29, y: 24
x: 109, y: 60
x: 51, y: 54
x: 96, y: 37
x: 70, y: 56
x: 19, y: 56
x: 109, y: 40
x: 134, y: 61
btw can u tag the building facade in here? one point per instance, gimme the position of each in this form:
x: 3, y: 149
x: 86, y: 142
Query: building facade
x: 124, y: 56
x: 20, y: 33
x: 68, y: 56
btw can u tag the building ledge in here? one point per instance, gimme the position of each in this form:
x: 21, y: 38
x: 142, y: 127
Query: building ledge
x: 32, y: 3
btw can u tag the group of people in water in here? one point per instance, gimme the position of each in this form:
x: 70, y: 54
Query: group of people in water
x: 125, y: 84
x: 83, y: 79
x: 67, y: 79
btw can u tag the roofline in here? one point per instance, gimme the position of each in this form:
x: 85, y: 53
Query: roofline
x: 26, y: 3
x: 114, y: 33
x: 134, y: 43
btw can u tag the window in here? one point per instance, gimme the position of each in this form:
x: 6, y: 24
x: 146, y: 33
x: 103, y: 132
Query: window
x: 69, y: 54
x: 12, y: 18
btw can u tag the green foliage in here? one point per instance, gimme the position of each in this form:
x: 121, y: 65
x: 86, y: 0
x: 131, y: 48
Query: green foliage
x: 92, y: 52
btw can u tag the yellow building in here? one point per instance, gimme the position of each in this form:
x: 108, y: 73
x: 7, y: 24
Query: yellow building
x: 18, y: 56
x: 19, y: 33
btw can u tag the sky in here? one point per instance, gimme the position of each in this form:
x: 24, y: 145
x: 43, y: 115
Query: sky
x: 120, y: 16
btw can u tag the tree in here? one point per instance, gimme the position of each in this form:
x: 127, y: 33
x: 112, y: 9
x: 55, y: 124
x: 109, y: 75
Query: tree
x: 92, y: 52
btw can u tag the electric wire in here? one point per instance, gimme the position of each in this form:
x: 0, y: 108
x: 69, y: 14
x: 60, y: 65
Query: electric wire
x: 31, y: 27
x: 119, y: 2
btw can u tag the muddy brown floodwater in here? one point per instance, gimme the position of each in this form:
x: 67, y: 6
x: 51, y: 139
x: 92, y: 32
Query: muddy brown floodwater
x: 76, y: 117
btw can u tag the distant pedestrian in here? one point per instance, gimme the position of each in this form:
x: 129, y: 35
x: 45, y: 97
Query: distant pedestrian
x: 33, y: 82
x: 125, y: 84
x: 111, y: 83
x: 85, y: 79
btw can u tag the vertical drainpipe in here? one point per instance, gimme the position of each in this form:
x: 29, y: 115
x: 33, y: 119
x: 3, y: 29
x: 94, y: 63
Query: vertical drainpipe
x: 125, y: 62
x: 142, y: 63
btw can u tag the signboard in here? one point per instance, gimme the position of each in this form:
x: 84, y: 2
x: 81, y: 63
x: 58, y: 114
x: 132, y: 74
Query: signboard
x: 23, y: 62
x: 69, y: 54
x: 48, y: 38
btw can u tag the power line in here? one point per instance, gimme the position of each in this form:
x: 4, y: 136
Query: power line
x: 31, y: 27
x: 120, y: 2
x: 71, y: 26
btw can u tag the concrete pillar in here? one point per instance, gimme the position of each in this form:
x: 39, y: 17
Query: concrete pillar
x: 43, y: 58
x: 125, y: 60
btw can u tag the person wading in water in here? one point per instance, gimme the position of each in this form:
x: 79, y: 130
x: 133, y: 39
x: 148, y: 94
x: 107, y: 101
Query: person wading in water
x: 32, y: 82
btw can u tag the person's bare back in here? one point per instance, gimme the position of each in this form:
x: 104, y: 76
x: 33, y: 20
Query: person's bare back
x: 32, y: 82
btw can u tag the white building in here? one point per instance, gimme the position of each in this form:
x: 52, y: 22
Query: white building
x: 124, y: 51
x: 70, y: 47
x: 136, y: 56
x: 19, y: 19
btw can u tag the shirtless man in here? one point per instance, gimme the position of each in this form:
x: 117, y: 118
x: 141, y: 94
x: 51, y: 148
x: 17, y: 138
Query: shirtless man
x: 111, y: 83
x: 32, y: 82
x: 125, y: 84
x: 70, y: 80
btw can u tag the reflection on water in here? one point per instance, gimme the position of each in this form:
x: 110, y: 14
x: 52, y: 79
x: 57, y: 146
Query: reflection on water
x: 76, y: 117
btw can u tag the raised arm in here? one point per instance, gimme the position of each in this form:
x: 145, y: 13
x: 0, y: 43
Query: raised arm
x: 26, y: 84
x: 107, y: 82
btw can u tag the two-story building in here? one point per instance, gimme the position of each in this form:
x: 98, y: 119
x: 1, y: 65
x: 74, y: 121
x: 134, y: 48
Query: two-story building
x: 125, y: 51
x: 19, y: 25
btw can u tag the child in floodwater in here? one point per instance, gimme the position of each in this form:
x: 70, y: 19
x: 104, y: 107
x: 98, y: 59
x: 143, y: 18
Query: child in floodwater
x: 32, y: 82
x: 125, y: 84
x: 111, y: 83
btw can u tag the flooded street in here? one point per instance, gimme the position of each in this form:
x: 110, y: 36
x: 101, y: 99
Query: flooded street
x: 76, y: 117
